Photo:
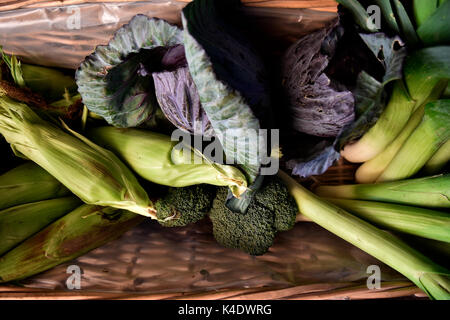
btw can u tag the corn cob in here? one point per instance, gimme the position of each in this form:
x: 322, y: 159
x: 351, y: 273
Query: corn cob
x: 153, y: 157
x: 426, y: 223
x: 28, y: 183
x: 84, y: 229
x: 92, y: 173
x: 20, y: 222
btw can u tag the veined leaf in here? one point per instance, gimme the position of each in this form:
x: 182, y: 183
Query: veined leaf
x: 115, y: 81
x: 230, y: 78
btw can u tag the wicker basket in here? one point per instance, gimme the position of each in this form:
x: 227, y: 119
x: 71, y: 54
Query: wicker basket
x: 150, y: 262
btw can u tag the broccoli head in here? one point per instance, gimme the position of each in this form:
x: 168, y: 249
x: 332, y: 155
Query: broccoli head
x: 183, y: 206
x: 271, y: 209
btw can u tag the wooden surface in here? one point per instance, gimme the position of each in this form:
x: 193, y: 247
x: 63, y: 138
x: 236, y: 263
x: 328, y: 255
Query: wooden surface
x: 329, y: 291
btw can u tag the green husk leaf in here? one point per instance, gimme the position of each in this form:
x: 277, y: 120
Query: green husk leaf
x: 28, y: 183
x: 156, y: 158
x: 94, y: 174
x: 20, y: 222
x: 14, y: 66
x: 83, y: 229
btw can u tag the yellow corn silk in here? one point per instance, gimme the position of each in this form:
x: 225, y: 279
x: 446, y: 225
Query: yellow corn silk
x: 92, y: 173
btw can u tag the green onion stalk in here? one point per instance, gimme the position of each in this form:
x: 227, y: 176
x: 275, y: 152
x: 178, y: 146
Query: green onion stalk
x: 424, y: 273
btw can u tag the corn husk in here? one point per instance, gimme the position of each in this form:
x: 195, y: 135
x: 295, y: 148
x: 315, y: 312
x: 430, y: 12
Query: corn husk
x: 85, y: 228
x: 92, y: 173
x: 28, y: 183
x: 20, y: 222
x: 152, y: 156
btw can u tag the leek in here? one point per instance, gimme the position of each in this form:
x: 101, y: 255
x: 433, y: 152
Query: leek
x: 426, y: 223
x: 424, y: 273
x: 432, y: 192
x: 426, y: 73
x: 432, y: 133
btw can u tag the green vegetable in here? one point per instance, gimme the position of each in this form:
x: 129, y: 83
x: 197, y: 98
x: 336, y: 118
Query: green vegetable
x: 28, y: 183
x: 372, y: 169
x: 417, y: 221
x: 432, y: 133
x: 436, y: 29
x: 232, y: 83
x: 359, y: 13
x: 426, y: 73
x: 406, y: 25
x: 423, y: 10
x: 388, y: 14
x: 83, y: 229
x: 92, y: 173
x: 51, y: 83
x: 14, y: 66
x: 388, y: 126
x: 153, y: 157
x: 433, y: 192
x: 272, y: 209
x: 115, y: 80
x: 438, y: 161
x: 183, y: 206
x: 424, y: 273
x: 20, y: 222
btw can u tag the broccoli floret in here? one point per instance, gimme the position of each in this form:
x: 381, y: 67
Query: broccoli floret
x: 185, y: 205
x: 272, y: 209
